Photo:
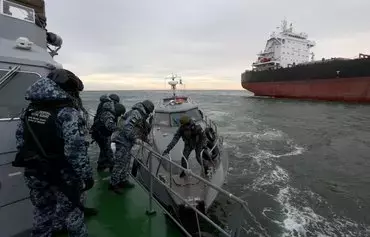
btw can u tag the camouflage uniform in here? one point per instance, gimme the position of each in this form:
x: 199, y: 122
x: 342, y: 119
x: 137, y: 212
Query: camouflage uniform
x: 134, y: 128
x: 104, y: 125
x: 44, y: 195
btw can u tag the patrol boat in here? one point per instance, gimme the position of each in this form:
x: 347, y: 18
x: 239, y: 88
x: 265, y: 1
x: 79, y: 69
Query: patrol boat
x: 197, y: 193
x: 26, y: 54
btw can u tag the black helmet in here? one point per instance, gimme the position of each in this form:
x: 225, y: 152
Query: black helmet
x: 114, y: 97
x: 66, y: 80
x: 148, y: 105
x: 120, y: 109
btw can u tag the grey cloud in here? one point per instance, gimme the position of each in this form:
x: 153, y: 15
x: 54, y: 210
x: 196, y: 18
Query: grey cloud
x: 207, y: 37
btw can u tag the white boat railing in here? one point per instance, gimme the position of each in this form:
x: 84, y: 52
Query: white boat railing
x: 238, y: 214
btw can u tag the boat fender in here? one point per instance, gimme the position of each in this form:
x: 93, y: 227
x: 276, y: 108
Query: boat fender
x: 210, y: 133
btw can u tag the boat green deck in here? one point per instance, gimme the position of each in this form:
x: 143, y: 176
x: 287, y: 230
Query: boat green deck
x: 125, y: 215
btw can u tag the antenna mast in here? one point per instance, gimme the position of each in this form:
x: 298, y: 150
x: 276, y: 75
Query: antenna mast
x: 173, y: 83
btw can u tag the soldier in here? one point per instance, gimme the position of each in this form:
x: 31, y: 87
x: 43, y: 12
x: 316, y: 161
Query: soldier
x: 193, y: 137
x: 106, y: 99
x: 105, y: 123
x: 135, y: 129
x: 52, y: 149
x: 115, y: 98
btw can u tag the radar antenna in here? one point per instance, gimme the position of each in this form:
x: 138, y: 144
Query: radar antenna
x: 173, y: 83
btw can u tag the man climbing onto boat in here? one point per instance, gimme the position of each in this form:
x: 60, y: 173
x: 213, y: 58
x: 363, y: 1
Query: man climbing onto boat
x: 52, y: 148
x: 194, y: 139
x: 105, y: 123
x: 135, y: 130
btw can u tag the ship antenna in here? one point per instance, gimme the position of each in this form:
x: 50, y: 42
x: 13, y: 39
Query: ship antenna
x: 173, y: 83
x: 284, y: 25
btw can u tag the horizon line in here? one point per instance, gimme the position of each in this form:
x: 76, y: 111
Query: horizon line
x: 167, y: 90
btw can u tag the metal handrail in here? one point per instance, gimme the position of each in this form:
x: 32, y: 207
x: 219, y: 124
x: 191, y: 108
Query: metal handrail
x: 182, y: 199
x: 242, y: 203
x: 159, y: 156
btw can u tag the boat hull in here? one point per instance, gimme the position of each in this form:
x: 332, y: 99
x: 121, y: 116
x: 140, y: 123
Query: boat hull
x: 333, y: 80
x: 335, y: 89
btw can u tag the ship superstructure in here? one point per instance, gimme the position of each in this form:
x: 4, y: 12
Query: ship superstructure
x: 284, y: 48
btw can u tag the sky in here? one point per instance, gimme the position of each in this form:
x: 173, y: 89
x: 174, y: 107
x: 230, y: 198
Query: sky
x: 134, y: 45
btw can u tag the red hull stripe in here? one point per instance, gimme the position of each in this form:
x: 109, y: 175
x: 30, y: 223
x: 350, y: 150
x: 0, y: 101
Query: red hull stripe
x: 336, y: 89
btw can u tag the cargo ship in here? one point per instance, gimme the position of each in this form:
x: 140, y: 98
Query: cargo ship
x: 287, y: 69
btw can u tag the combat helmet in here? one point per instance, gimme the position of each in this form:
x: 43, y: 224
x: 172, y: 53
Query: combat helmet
x: 66, y: 80
x: 148, y: 105
x: 185, y: 120
x: 114, y: 97
x: 119, y: 109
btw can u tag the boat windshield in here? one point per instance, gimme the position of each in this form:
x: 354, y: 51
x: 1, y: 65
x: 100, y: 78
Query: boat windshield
x: 173, y: 119
x: 193, y: 114
x: 162, y: 119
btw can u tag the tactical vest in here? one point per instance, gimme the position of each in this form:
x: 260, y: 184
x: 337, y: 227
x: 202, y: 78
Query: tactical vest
x: 40, y: 121
x: 189, y: 132
x: 141, y: 127
x: 98, y: 128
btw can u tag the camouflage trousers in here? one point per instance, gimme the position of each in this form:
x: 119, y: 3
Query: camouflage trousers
x: 53, y: 208
x: 59, y: 222
x: 188, y: 148
x: 106, y: 153
x: 122, y: 161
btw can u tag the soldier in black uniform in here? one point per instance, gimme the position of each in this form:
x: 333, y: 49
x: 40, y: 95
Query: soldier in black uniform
x: 193, y: 137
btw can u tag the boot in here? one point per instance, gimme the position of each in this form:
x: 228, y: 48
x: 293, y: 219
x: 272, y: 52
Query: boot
x: 115, y: 189
x: 126, y: 184
x: 88, y: 211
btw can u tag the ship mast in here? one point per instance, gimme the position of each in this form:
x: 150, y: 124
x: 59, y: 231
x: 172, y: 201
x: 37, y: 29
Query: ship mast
x: 173, y: 83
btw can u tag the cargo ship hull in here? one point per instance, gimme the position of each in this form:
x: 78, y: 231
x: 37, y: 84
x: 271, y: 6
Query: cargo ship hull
x: 338, y: 80
x: 347, y: 89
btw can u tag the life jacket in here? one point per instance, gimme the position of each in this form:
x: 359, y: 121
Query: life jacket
x: 43, y: 141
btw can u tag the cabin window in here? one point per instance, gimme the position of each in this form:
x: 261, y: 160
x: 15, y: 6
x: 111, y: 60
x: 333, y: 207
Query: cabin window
x: 18, y: 11
x: 19, y: 83
x: 193, y: 113
x: 162, y: 119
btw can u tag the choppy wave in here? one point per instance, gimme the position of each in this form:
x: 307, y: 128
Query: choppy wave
x: 298, y: 219
x: 258, y: 151
x: 301, y: 220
